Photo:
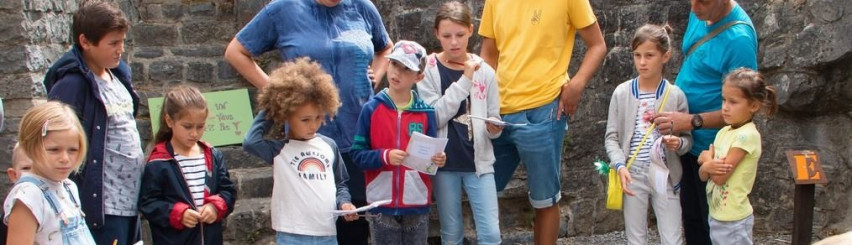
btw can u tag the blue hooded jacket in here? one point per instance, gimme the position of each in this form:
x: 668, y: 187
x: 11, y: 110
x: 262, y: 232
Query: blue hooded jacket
x: 70, y: 81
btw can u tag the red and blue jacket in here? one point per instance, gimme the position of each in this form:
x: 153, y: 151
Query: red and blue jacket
x: 164, y: 196
x: 381, y: 128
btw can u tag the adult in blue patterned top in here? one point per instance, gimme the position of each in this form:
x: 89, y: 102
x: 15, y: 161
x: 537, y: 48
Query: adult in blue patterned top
x: 344, y: 36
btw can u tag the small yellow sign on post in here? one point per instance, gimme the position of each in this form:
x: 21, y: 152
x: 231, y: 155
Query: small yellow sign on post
x: 806, y: 167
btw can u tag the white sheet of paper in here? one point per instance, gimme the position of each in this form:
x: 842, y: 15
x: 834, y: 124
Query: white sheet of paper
x: 420, y: 150
x: 661, y: 180
x: 497, y: 122
x: 361, y: 209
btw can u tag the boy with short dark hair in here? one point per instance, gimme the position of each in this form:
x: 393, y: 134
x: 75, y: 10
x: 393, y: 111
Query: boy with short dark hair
x: 93, y: 79
x: 384, y: 128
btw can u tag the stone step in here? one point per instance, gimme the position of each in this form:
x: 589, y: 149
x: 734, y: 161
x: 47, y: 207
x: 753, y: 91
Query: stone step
x: 252, y: 182
x: 236, y: 158
x: 249, y: 223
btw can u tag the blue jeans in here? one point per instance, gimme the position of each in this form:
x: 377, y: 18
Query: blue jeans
x: 284, y: 238
x: 539, y: 146
x: 412, y: 229
x: 482, y: 195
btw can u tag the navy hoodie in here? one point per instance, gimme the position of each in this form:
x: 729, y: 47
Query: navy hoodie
x: 70, y: 81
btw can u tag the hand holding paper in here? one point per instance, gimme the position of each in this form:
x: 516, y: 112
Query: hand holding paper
x: 497, y: 122
x: 396, y: 156
x: 421, y: 149
x: 349, y: 207
x: 361, y: 209
x: 440, y: 159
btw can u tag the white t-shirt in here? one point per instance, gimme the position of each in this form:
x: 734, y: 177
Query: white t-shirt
x: 304, y: 192
x: 48, y: 231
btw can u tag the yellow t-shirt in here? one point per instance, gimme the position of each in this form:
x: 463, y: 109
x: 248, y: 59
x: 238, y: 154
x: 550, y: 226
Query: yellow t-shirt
x: 535, y: 39
x: 729, y: 202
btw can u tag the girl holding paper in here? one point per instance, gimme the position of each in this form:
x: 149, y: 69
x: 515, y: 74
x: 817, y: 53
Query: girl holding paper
x: 630, y: 133
x: 463, y: 91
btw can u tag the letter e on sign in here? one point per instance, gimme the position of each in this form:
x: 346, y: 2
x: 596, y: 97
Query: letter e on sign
x: 806, y: 167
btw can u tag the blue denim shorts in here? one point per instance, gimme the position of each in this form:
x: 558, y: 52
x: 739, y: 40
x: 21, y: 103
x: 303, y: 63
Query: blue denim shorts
x: 539, y: 146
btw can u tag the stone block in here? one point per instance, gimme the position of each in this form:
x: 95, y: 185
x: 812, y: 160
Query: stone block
x: 199, y: 51
x: 15, y: 109
x: 13, y: 60
x: 207, y: 32
x: 225, y: 11
x: 249, y: 222
x: 202, y: 9
x: 137, y: 71
x: 200, y: 72
x: 148, y: 52
x: 165, y: 71
x: 236, y: 158
x: 12, y: 27
x: 21, y: 86
x: 253, y: 182
x: 151, y: 12
x: 173, y: 11
x: 144, y: 128
x: 11, y: 5
x: 246, y: 9
x: 155, y: 35
x: 226, y: 71
x: 44, y: 5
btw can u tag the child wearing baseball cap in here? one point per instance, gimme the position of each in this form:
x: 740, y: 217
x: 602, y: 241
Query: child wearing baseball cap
x: 385, y: 125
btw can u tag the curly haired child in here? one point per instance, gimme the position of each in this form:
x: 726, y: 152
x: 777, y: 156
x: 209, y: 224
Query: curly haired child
x: 309, y: 174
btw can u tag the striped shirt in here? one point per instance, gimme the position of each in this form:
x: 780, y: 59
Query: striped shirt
x: 643, y: 158
x: 194, y: 170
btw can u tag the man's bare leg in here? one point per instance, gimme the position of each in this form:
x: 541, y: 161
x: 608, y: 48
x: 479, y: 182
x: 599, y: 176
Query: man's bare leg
x: 546, y: 227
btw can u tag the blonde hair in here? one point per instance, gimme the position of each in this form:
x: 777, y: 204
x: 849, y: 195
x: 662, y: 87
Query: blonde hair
x: 43, y: 119
x: 18, y: 155
x: 295, y: 84
x: 175, y: 103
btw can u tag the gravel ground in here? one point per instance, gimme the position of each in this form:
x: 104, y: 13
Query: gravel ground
x: 618, y: 237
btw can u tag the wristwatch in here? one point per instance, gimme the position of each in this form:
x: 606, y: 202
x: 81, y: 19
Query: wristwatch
x: 697, y: 121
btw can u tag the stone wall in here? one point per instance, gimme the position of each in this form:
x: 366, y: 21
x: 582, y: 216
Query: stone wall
x: 804, y: 51
x: 34, y: 34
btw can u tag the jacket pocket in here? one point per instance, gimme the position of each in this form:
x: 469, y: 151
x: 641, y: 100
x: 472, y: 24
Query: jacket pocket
x: 415, y: 191
x: 380, y: 188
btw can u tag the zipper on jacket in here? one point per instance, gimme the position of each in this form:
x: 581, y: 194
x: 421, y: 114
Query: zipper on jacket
x: 192, y: 199
x: 398, y: 167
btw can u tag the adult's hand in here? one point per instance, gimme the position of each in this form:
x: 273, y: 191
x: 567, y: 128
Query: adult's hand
x: 380, y: 65
x: 596, y: 50
x: 682, y: 122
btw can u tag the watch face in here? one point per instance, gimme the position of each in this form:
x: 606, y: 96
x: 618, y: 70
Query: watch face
x: 697, y: 121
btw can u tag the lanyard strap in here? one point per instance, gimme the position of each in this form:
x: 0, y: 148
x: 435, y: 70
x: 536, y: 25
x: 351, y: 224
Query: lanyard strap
x: 648, y: 132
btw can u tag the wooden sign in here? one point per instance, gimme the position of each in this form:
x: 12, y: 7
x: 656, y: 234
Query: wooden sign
x: 229, y: 116
x: 806, y: 167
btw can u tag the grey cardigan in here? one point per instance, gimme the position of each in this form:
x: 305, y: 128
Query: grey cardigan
x: 484, y: 102
x: 621, y: 122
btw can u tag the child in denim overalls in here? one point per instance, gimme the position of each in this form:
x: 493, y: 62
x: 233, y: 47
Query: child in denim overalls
x: 43, y: 206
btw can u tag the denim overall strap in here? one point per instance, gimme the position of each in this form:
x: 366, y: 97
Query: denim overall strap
x: 49, y: 196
